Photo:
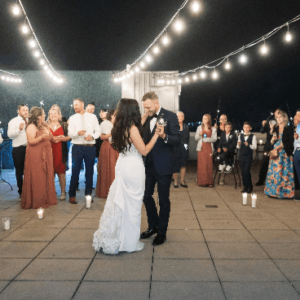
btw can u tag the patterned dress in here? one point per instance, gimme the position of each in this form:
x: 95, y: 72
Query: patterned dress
x: 280, y: 178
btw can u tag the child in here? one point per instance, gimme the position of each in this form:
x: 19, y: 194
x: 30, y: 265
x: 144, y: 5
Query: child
x: 246, y: 143
x: 226, y: 149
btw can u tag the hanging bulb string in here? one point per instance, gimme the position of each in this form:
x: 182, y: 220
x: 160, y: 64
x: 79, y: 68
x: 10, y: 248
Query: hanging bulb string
x: 9, y: 73
x: 36, y: 39
x: 217, y: 62
x: 159, y: 35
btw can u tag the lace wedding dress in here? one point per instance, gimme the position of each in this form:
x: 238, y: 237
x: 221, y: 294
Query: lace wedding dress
x: 119, y: 227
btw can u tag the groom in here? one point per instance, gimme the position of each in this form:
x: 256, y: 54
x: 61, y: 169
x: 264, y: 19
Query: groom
x: 160, y: 163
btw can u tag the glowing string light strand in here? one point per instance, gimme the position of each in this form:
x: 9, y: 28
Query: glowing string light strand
x: 219, y: 61
x: 156, y: 50
x: 10, y: 77
x: 38, y: 43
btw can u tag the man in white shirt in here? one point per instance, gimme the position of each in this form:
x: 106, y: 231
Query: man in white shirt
x: 83, y: 130
x: 16, y: 131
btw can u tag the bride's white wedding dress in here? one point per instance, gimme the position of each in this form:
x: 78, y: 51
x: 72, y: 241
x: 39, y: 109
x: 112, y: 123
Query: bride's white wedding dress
x: 119, y: 227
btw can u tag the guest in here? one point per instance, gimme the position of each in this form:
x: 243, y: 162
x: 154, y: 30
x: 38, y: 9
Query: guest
x: 183, y: 150
x: 267, y: 148
x: 83, y: 130
x: 16, y: 131
x: 220, y: 129
x: 206, y: 135
x: 38, y: 186
x: 297, y: 152
x: 280, y: 178
x: 59, y: 131
x: 90, y: 108
x: 63, y: 119
x: 246, y: 143
x: 102, y: 117
x: 227, y: 148
x: 107, y: 157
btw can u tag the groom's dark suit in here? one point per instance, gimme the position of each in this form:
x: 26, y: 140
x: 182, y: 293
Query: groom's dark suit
x: 161, y: 163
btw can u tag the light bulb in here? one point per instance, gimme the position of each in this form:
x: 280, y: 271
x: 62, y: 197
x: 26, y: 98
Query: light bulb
x: 163, y: 81
x: 178, y: 25
x: 148, y: 58
x: 46, y: 68
x: 203, y: 74
x: 158, y: 81
x: 116, y: 79
x: 288, y: 37
x: 25, y: 29
x: 179, y: 80
x: 168, y: 81
x: 136, y: 69
x: 187, y: 79
x: 3, y: 77
x: 173, y: 81
x: 215, y: 75
x: 127, y: 75
x: 264, y: 49
x: 228, y: 66
x: 16, y: 10
x: 166, y: 40
x: 37, y: 53
x: 42, y: 62
x: 131, y: 72
x: 142, y: 64
x: 20, y: 80
x: 194, y: 76
x: 32, y: 43
x: 243, y: 59
x: 156, y: 50
x: 196, y: 6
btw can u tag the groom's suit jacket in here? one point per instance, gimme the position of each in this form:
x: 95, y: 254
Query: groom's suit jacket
x: 164, y: 155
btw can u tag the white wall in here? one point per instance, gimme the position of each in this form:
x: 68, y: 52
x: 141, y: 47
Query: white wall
x: 141, y: 83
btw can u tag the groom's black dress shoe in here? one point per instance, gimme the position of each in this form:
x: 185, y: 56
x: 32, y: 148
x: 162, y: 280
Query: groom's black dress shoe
x: 149, y: 232
x: 159, y: 239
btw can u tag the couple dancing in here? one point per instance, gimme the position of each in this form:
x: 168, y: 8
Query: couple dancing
x: 154, y: 138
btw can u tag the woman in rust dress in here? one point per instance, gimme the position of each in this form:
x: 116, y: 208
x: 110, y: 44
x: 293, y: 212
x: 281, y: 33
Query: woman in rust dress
x: 206, y: 135
x: 107, y: 157
x: 59, y: 131
x: 38, y: 185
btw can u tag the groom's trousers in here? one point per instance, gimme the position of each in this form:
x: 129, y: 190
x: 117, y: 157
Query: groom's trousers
x: 163, y: 186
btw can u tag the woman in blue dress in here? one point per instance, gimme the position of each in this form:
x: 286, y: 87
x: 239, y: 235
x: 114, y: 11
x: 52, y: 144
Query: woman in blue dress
x: 280, y: 178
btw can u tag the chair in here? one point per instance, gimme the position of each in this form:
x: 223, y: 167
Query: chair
x: 234, y: 171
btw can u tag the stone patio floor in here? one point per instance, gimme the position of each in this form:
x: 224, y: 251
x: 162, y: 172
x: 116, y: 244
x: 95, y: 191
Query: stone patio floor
x: 229, y: 252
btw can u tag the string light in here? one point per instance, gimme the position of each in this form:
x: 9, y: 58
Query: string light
x: 195, y: 77
x: 142, y: 65
x: 162, y: 36
x: 148, y: 58
x: 214, y: 75
x: 243, y: 58
x: 10, y: 77
x: 196, y: 6
x: 33, y: 43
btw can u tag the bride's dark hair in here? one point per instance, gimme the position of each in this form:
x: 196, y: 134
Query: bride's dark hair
x: 127, y: 114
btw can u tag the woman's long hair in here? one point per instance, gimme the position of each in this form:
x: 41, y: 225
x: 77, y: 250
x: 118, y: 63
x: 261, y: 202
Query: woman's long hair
x: 209, y: 124
x: 34, y: 114
x: 127, y: 114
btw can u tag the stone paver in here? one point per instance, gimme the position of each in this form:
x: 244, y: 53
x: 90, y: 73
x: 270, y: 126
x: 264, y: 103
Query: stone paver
x: 228, y: 252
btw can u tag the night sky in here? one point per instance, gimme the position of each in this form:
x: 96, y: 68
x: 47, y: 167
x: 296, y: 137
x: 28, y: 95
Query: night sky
x: 107, y: 35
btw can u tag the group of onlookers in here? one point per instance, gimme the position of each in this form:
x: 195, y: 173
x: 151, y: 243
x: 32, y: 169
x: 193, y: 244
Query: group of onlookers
x: 277, y: 167
x: 45, y: 144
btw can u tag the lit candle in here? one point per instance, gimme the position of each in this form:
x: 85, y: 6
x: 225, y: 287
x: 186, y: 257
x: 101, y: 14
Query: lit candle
x: 88, y: 201
x: 260, y: 142
x: 40, y: 213
x: 245, y: 195
x: 6, y: 224
x: 254, y: 198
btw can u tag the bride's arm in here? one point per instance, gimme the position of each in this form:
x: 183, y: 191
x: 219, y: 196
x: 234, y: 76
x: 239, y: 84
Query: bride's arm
x: 139, y: 143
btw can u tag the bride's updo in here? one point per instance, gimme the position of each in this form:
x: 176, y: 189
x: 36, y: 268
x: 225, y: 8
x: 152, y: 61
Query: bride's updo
x: 127, y: 114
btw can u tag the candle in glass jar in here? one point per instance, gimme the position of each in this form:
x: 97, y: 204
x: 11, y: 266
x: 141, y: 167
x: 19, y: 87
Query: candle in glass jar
x: 88, y: 201
x: 254, y: 198
x: 40, y: 213
x: 245, y: 195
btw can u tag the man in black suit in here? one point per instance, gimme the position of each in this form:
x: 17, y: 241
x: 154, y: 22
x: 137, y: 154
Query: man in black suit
x: 226, y: 148
x: 160, y: 164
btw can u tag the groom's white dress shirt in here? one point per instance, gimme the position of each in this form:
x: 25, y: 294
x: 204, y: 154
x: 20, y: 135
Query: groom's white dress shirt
x: 18, y: 137
x: 86, y: 122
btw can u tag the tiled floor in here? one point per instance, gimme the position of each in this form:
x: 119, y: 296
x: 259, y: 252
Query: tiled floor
x: 229, y: 252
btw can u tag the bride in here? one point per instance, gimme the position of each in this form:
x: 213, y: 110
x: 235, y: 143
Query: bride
x: 119, y: 228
